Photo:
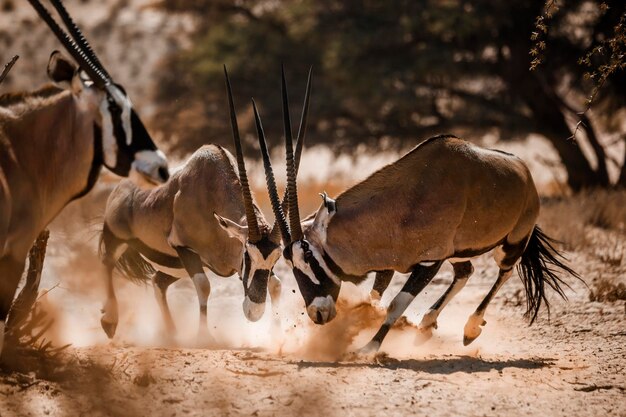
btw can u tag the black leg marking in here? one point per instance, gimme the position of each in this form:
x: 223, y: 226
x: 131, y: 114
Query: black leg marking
x: 419, y: 278
x: 381, y: 282
x: 462, y: 272
x: 193, y: 265
x: 472, y: 328
x: 161, y: 282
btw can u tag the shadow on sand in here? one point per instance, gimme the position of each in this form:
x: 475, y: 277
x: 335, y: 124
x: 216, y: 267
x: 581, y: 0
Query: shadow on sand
x: 443, y: 366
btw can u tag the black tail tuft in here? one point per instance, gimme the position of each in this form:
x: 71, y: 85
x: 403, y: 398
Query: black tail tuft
x: 134, y: 267
x: 131, y: 264
x: 538, y: 267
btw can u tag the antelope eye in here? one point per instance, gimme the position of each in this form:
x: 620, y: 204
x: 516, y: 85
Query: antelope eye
x: 308, y: 255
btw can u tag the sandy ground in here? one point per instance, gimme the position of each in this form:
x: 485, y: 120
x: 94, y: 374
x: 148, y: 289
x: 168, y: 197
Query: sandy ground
x: 574, y: 365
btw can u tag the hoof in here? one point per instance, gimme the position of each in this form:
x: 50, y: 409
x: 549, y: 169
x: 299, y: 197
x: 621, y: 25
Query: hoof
x: 472, y: 329
x: 109, y: 328
x: 468, y: 340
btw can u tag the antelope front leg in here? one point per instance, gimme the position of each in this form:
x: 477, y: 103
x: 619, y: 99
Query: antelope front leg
x: 420, y: 277
x: 381, y: 282
x: 113, y: 248
x: 193, y: 265
x: 110, y: 316
x: 462, y: 272
x: 161, y: 282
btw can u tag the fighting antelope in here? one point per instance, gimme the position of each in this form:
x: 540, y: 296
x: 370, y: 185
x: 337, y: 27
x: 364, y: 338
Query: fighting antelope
x: 53, y: 143
x: 192, y: 222
x: 445, y: 200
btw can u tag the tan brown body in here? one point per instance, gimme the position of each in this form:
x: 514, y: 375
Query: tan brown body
x: 180, y: 212
x: 54, y: 141
x: 194, y: 221
x: 445, y: 199
x: 39, y: 172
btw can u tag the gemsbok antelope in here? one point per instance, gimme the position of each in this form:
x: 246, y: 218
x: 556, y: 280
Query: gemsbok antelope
x: 446, y: 199
x: 53, y: 143
x: 204, y: 216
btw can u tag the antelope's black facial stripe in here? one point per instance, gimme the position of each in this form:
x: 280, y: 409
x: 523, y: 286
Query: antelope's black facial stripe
x: 256, y: 291
x: 311, y: 290
x: 142, y: 141
x: 140, y: 138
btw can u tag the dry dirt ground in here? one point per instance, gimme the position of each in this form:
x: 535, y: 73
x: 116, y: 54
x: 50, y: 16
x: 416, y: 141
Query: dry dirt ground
x: 573, y: 365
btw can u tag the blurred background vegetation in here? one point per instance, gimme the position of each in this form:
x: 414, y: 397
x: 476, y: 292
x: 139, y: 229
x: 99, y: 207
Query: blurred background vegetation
x: 387, y: 75
x: 392, y: 73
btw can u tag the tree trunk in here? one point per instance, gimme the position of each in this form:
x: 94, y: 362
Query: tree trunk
x: 546, y: 109
x: 551, y: 123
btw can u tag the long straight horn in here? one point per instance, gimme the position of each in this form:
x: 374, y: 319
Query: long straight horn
x: 271, y: 181
x: 292, y: 189
x: 299, y: 146
x: 303, y: 120
x: 70, y: 45
x: 8, y: 67
x: 78, y: 36
x: 254, y: 235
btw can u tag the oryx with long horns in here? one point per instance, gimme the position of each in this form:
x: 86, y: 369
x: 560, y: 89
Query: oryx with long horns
x: 445, y: 200
x: 53, y: 143
x: 204, y: 216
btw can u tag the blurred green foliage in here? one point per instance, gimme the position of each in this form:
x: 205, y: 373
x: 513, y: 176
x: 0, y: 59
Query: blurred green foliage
x: 391, y: 73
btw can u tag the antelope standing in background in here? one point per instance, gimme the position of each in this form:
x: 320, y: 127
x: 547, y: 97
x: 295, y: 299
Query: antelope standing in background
x: 445, y: 200
x: 174, y: 228
x: 53, y: 143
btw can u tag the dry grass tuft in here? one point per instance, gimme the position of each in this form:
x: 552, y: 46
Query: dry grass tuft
x: 606, y: 290
x: 573, y: 219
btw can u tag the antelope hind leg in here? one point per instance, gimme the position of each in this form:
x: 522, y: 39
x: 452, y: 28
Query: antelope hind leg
x: 161, y: 282
x: 506, y: 256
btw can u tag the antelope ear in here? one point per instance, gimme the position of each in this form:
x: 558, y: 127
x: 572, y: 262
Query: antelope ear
x: 233, y: 229
x: 61, y: 69
x: 326, y: 212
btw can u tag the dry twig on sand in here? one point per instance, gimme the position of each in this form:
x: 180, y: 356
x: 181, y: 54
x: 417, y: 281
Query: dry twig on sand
x: 27, y: 322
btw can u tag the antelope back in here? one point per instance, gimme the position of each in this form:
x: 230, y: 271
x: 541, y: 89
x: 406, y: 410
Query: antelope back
x: 444, y: 198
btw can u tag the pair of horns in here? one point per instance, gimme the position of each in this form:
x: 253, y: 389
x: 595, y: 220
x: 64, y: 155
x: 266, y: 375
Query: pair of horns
x: 280, y: 226
x: 254, y: 234
x: 76, y: 44
x: 293, y: 230
x: 8, y: 67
